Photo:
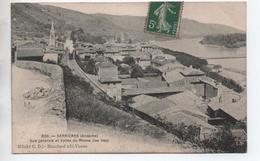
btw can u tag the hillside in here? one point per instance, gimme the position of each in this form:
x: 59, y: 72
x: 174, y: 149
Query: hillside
x: 33, y: 17
x: 235, y: 40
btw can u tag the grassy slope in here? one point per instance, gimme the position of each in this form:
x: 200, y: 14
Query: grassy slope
x: 84, y: 106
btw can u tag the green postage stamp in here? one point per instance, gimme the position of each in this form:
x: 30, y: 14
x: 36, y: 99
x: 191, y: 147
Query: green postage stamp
x: 164, y: 18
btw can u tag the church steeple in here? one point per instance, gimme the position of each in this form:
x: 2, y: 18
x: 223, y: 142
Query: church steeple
x: 52, y: 36
x: 52, y: 26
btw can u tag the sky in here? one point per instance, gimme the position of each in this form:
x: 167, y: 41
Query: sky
x: 227, y: 13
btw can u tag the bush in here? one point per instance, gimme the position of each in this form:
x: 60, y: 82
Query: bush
x: 129, y: 60
x: 80, y: 35
x: 220, y: 141
x: 137, y: 71
x: 223, y: 141
x: 189, y: 133
x: 124, y: 70
x: 186, y: 59
x: 151, y: 69
x: 87, y: 66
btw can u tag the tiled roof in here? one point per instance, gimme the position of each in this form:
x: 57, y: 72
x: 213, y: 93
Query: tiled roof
x: 151, y: 83
x: 29, y: 44
x: 111, y: 51
x: 235, y: 109
x: 155, y: 107
x: 51, y: 53
x: 124, y: 65
x: 186, y: 98
x: 140, y: 55
x: 171, y: 57
x: 129, y: 81
x: 173, y: 75
x: 128, y: 49
x: 86, y: 51
x: 160, y: 61
x: 106, y: 65
x: 139, y: 91
x: 100, y: 58
x: 209, y: 81
x: 177, y: 116
x: 54, y: 50
x: 162, y: 57
x: 108, y: 73
x: 29, y: 52
x: 87, y: 44
x: 142, y: 99
x: 157, y: 53
x: 109, y: 80
x: 174, y: 113
x: 150, y: 46
x: 191, y: 72
x: 170, y: 66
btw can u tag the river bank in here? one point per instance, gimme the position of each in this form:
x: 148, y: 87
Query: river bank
x: 193, y: 47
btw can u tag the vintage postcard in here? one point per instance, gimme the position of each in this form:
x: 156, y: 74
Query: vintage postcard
x: 158, y: 77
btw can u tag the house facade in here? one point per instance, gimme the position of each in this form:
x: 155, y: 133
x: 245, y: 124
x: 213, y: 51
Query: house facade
x: 108, y: 77
x: 51, y: 58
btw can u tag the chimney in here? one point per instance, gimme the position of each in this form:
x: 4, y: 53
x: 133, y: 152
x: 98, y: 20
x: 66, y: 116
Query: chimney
x: 219, y: 95
x: 220, y: 99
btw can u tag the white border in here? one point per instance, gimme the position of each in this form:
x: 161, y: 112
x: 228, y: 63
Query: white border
x: 123, y: 0
x: 253, y: 82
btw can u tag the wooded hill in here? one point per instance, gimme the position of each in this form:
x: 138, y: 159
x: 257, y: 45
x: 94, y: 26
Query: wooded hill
x: 36, y: 18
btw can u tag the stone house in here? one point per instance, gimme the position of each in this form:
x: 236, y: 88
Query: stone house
x: 51, y: 58
x: 85, y: 53
x: 108, y: 77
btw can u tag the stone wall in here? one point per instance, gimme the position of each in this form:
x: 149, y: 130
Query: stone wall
x: 57, y: 99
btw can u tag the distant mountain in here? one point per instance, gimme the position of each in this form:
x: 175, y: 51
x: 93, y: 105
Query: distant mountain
x: 33, y: 17
x: 192, y: 28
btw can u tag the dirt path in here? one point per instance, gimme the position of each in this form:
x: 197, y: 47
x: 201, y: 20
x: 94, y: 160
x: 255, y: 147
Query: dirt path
x: 117, y: 141
x: 31, y: 118
x: 30, y: 122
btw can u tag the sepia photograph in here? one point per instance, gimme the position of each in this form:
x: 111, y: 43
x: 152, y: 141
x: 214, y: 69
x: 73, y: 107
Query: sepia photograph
x: 132, y: 77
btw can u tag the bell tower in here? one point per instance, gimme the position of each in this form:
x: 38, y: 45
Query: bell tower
x: 52, y: 36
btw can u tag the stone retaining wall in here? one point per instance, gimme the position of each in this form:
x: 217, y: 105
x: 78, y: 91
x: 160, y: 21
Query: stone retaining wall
x: 57, y: 100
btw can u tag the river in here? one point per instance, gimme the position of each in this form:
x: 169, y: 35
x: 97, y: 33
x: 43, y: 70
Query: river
x: 193, y: 47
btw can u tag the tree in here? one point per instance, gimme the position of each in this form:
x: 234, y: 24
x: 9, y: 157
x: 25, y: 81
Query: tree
x: 118, y: 39
x: 129, y: 60
x: 223, y: 141
x: 78, y: 35
x: 130, y: 40
x: 217, y: 67
x: 151, y: 69
x: 89, y: 67
x: 124, y: 70
x: 118, y: 62
x: 137, y: 71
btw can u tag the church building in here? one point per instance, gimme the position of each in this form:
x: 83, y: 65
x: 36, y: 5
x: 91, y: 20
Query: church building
x: 52, y: 36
